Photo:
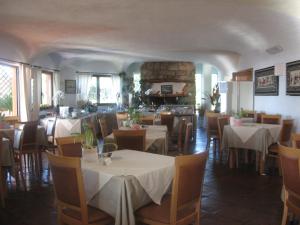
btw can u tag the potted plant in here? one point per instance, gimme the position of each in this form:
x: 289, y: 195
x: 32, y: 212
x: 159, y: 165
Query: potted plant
x: 88, y: 136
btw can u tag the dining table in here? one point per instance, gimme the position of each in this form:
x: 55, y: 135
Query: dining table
x: 253, y: 136
x: 132, y: 180
x: 156, y: 138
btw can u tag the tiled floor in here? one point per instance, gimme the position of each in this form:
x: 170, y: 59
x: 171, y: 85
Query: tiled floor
x: 230, y: 197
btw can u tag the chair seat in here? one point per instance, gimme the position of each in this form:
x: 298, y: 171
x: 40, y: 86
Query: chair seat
x: 94, y: 214
x: 161, y: 213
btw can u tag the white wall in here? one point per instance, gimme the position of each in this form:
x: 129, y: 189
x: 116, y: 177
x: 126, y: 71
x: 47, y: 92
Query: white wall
x: 287, y: 106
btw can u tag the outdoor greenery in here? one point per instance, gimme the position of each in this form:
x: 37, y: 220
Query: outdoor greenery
x: 6, y: 102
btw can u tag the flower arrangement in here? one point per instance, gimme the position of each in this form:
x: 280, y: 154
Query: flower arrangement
x: 215, y: 97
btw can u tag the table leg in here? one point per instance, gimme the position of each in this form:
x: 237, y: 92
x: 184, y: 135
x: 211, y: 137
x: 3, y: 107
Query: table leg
x: 261, y: 165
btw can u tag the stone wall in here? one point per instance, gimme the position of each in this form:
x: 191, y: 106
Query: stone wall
x: 155, y: 72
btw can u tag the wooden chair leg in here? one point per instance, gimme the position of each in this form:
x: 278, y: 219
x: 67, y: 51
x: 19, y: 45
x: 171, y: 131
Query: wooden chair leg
x: 261, y: 164
x: 284, y: 215
x: 236, y: 153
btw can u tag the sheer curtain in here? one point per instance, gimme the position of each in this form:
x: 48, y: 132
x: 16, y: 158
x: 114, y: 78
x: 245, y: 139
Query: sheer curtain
x: 116, y: 90
x: 36, y: 89
x: 56, y: 85
x: 25, y: 92
x: 84, y: 81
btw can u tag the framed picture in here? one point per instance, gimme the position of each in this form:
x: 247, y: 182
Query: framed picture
x: 293, y: 78
x: 70, y: 86
x: 266, y: 83
x: 166, y: 89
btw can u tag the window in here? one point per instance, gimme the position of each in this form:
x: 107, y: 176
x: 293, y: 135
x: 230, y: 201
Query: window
x: 47, y: 90
x: 8, y: 87
x: 199, y: 88
x: 103, y: 89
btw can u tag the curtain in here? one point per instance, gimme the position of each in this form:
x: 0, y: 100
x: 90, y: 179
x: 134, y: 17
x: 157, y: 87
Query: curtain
x: 36, y: 89
x: 116, y: 90
x: 56, y: 85
x: 25, y: 92
x: 84, y: 82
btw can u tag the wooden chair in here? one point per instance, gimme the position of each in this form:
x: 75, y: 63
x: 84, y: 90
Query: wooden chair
x: 258, y: 117
x: 103, y: 127
x: 70, y: 146
x: 270, y: 119
x: 284, y: 139
x: 168, y: 120
x: 26, y: 147
x: 50, y: 132
x: 187, y: 137
x: 12, y: 120
x: 130, y: 139
x: 212, y: 129
x: 183, y: 205
x: 250, y: 114
x: 70, y: 195
x: 296, y: 140
x: 147, y: 120
x: 18, y: 161
x: 222, y: 121
x: 121, y: 116
x: 290, y: 164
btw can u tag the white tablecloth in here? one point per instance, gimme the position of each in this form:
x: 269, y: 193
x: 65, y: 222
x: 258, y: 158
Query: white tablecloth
x: 246, y: 131
x: 155, y: 135
x: 147, y: 174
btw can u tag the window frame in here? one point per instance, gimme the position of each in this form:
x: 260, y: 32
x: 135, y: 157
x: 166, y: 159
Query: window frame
x: 52, y: 88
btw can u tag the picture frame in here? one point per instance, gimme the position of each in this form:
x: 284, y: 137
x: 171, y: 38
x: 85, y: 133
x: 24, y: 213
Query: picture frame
x: 166, y: 89
x: 266, y: 83
x: 70, y: 86
x: 293, y: 78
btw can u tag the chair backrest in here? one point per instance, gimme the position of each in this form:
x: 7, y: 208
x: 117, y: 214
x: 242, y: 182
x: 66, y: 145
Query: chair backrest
x: 70, y: 146
x: 286, y: 131
x: 130, y: 139
x: 147, y: 120
x: 212, y: 122
x: 121, y: 116
x: 258, y: 117
x: 68, y: 184
x: 188, y: 135
x: 181, y: 133
x: 187, y: 183
x: 29, y: 132
x: 51, y: 127
x: 296, y: 140
x: 103, y: 126
x: 168, y: 120
x: 222, y: 121
x: 270, y: 119
x: 290, y: 164
x: 12, y: 120
x: 249, y: 114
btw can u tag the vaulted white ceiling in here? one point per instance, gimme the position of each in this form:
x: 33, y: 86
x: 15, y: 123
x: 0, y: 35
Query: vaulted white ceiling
x: 220, y: 32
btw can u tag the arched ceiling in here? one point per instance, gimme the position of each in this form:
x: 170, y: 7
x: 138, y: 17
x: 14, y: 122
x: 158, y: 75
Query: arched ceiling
x: 219, y: 32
